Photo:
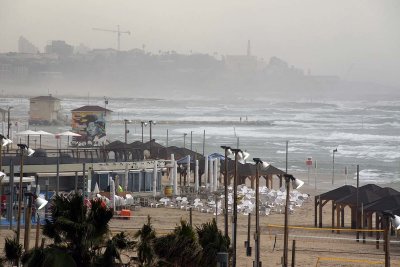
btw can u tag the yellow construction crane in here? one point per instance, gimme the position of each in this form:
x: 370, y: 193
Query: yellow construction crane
x: 118, y: 32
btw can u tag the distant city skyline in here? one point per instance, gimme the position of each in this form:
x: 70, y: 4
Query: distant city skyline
x: 354, y: 39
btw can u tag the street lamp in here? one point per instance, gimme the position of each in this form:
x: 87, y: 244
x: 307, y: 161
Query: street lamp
x: 105, y: 107
x: 184, y: 140
x: 227, y: 150
x: 126, y: 130
x: 4, y: 141
x: 150, y: 123
x: 296, y: 183
x: 191, y: 140
x: 239, y: 156
x: 8, y: 123
x: 24, y: 150
x: 333, y: 164
x: 387, y: 214
x: 39, y: 204
x: 257, y: 234
x: 143, y: 123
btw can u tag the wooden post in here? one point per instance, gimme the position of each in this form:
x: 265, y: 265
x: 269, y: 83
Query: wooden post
x: 294, y: 253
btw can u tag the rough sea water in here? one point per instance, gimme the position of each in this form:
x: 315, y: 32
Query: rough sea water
x: 365, y: 133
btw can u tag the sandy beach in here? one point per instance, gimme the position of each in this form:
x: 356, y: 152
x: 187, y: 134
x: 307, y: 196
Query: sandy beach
x: 312, y: 246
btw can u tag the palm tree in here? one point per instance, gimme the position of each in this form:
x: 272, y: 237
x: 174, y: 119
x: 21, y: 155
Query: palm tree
x: 213, y: 241
x: 118, y: 243
x: 80, y: 235
x: 144, y: 247
x: 12, y: 250
x: 180, y: 248
x: 47, y: 257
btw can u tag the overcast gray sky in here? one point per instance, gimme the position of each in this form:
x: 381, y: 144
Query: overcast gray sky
x: 355, y: 39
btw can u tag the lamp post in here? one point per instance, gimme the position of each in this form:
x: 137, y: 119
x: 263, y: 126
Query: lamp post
x: 39, y: 204
x: 191, y: 140
x: 143, y: 123
x: 184, y: 140
x: 257, y: 233
x: 226, y: 148
x: 236, y: 151
x: 242, y: 156
x: 388, y: 215
x: 151, y: 138
x: 8, y: 123
x: 105, y: 107
x: 126, y: 129
x: 333, y: 165
x: 4, y: 141
x: 296, y: 183
x: 24, y: 149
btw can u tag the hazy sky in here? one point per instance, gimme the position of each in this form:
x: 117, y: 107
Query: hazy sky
x: 355, y: 39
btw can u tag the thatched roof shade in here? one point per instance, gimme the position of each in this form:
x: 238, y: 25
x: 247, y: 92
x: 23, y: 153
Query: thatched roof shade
x: 116, y: 145
x: 386, y: 203
x: 271, y: 170
x: 246, y: 170
x: 366, y: 194
x: 338, y: 193
x: 136, y: 144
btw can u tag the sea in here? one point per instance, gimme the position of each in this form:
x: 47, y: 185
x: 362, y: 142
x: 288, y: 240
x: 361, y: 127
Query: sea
x: 287, y: 134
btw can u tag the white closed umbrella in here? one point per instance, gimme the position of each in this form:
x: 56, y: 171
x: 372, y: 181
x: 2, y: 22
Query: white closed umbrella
x: 206, y: 170
x: 112, y: 194
x: 175, y: 178
x: 196, y: 176
x: 96, y: 189
x: 188, y: 169
x: 215, y: 174
x: 211, y: 173
x: 172, y: 172
x: 155, y: 179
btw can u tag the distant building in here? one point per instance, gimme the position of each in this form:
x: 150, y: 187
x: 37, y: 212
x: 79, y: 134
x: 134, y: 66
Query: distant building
x: 60, y: 48
x: 241, y: 63
x: 90, y: 123
x: 24, y: 46
x: 44, y: 110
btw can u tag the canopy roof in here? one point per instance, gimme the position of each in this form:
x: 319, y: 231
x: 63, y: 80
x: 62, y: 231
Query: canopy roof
x: 366, y: 194
x: 338, y: 193
x: 28, y: 132
x: 67, y: 133
x: 390, y: 202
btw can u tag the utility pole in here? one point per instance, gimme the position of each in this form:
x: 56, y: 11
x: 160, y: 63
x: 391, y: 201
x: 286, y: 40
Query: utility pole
x: 8, y: 124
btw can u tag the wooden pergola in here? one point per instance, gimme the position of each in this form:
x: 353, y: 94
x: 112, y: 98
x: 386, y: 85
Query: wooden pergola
x: 366, y: 194
x: 333, y: 195
x: 390, y: 202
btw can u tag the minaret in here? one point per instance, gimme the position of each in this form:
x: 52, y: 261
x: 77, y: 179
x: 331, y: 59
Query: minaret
x: 248, y: 48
